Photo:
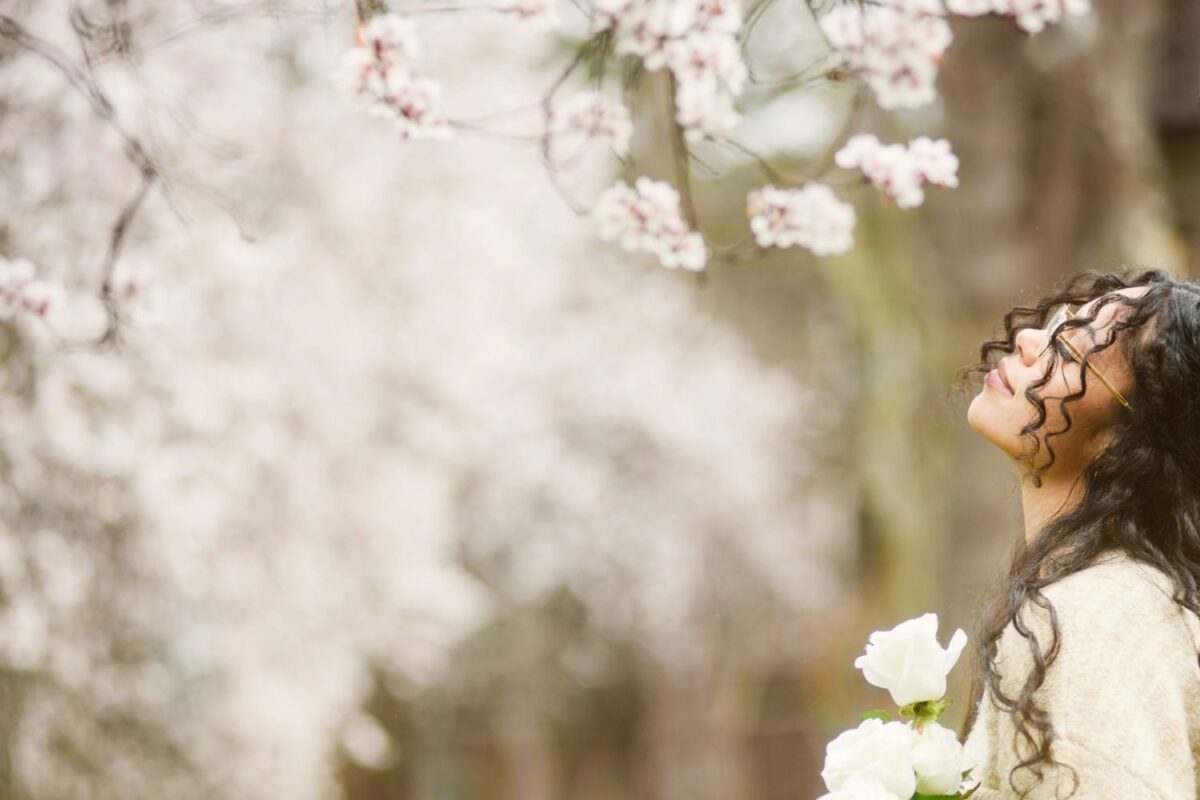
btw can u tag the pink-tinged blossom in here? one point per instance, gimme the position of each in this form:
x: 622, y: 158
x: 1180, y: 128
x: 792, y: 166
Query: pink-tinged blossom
x: 900, y: 171
x: 646, y: 218
x: 20, y: 292
x: 540, y: 13
x: 129, y: 281
x: 937, y: 164
x: 704, y: 111
x: 697, y: 40
x: 42, y: 297
x: 586, y: 117
x: 812, y: 217
x: 897, y: 52
x: 706, y: 56
x: 379, y: 74
x: 1031, y: 15
x: 15, y: 275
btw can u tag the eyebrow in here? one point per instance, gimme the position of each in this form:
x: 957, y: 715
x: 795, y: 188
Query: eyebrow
x: 1088, y: 330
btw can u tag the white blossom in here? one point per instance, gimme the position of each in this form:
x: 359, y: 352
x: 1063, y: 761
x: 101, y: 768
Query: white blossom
x: 72, y: 317
x: 899, y: 170
x: 697, y: 40
x: 898, y: 52
x: 647, y: 218
x: 703, y: 111
x: 15, y: 276
x: 875, y: 749
x: 908, y: 661
x: 812, y: 217
x: 379, y: 73
x: 860, y: 787
x: 937, y: 760
x: 935, y: 161
x: 585, y: 117
x: 898, y: 45
x: 22, y: 293
x: 706, y: 57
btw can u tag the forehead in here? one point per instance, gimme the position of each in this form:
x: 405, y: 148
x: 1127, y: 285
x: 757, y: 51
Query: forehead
x: 1110, y: 309
x: 1093, y: 333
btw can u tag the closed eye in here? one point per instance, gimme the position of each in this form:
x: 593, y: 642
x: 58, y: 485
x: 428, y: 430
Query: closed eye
x: 1066, y: 351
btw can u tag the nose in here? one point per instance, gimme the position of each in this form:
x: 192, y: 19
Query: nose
x: 1031, y: 343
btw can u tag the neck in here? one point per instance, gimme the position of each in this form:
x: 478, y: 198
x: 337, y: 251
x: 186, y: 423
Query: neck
x: 1058, y: 494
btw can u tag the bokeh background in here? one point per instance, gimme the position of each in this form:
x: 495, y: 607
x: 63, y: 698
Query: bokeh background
x: 401, y: 485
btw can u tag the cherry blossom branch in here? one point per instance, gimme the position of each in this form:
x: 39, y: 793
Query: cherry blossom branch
x: 892, y: 47
x: 219, y: 16
x: 115, y: 245
x: 600, y: 42
x: 148, y: 171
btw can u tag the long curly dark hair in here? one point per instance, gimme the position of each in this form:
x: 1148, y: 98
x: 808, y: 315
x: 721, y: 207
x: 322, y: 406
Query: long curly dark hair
x: 1141, y: 493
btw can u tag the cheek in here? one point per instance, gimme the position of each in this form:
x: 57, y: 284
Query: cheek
x: 1086, y: 412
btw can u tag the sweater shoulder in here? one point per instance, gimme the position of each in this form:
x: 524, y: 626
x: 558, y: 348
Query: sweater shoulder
x: 1115, y: 597
x: 1116, y: 575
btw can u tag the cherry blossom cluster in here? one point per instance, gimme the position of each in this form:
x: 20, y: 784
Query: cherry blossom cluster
x: 812, y: 217
x: 1031, y: 15
x: 897, y: 46
x: 585, y: 117
x: 646, y: 218
x: 378, y: 73
x: 698, y: 41
x: 22, y: 293
x: 900, y: 171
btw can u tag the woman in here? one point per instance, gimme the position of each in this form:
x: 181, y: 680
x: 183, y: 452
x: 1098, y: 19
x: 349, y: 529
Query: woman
x: 1093, y: 690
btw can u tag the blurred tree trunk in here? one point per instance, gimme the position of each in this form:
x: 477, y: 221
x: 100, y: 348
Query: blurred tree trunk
x: 1079, y: 149
x: 1176, y: 98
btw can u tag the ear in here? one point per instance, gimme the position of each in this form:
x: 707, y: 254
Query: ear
x: 1100, y: 436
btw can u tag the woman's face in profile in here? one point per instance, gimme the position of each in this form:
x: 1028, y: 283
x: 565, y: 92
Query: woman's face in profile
x: 1001, y: 410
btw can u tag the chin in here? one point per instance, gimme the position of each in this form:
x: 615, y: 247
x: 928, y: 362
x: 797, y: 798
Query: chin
x: 990, y: 422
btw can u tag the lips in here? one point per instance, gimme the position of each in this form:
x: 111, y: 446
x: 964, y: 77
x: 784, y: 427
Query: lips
x: 1004, y: 375
x: 995, y: 379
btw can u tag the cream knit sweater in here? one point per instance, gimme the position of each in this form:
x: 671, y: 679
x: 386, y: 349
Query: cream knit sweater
x: 1123, y: 693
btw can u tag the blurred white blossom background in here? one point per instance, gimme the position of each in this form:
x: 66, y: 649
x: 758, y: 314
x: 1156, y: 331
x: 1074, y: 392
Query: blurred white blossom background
x: 368, y: 394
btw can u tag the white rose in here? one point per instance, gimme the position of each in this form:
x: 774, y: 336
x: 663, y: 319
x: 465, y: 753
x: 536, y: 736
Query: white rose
x: 938, y: 760
x: 861, y: 787
x: 874, y: 749
x: 909, y: 662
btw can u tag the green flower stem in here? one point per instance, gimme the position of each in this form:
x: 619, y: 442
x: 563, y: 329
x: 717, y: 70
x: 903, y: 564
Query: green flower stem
x: 924, y: 711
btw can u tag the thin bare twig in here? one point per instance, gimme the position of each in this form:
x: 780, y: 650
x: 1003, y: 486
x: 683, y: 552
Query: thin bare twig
x: 220, y: 16
x: 85, y: 83
x: 825, y: 161
x: 602, y: 41
x: 752, y: 19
